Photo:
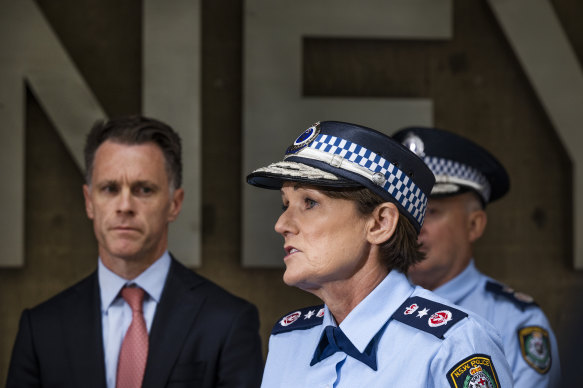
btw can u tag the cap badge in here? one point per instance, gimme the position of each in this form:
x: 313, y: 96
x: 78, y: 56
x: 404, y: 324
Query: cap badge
x: 308, y: 136
x: 414, y: 144
x: 379, y: 179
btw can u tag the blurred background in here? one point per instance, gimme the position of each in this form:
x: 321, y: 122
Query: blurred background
x: 469, y: 78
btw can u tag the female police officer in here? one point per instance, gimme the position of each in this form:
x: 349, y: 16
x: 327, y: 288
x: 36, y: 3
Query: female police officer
x: 353, y: 204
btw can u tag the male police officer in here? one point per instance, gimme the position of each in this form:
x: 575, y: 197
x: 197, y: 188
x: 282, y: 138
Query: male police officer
x: 467, y: 178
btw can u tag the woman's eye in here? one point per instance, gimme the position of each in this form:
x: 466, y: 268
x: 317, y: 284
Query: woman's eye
x: 283, y: 208
x: 310, y: 203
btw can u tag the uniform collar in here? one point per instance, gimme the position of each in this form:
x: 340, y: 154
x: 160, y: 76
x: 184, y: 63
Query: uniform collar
x: 151, y: 280
x: 371, y: 314
x: 460, y: 286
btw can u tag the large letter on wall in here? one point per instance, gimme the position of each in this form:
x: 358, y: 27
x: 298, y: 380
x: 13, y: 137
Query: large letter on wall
x: 29, y: 50
x: 172, y: 94
x: 274, y: 109
x: 543, y: 49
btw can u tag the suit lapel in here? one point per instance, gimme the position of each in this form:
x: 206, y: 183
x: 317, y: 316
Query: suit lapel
x: 83, y: 335
x: 175, y: 315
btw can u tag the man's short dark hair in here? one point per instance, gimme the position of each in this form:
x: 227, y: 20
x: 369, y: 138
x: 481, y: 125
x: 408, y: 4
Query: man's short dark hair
x: 401, y: 250
x: 134, y: 130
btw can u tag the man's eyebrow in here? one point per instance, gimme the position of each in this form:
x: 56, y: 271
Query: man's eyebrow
x: 107, y: 182
x: 144, y: 183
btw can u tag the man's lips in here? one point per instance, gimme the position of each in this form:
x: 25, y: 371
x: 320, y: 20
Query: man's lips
x: 124, y: 229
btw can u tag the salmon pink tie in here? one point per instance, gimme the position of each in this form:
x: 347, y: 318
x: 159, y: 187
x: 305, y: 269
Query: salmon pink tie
x: 134, y: 349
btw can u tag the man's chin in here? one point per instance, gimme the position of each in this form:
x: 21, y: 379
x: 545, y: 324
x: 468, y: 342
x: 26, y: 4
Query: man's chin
x: 125, y: 253
x: 419, y: 270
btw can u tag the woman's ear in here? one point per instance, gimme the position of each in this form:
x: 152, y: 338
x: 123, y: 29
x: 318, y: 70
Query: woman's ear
x: 383, y: 223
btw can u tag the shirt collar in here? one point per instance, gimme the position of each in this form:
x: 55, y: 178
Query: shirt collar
x: 370, y: 315
x: 151, y: 280
x: 460, y: 286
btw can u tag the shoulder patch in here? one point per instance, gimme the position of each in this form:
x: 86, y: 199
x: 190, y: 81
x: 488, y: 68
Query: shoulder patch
x: 427, y: 315
x: 300, y: 319
x: 476, y: 370
x: 535, y: 348
x: 520, y: 299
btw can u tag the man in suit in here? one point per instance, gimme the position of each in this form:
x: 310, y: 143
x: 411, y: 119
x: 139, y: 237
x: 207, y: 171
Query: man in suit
x: 142, y: 318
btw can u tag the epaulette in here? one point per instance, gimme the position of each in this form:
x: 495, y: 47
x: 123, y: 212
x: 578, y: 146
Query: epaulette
x: 427, y: 315
x: 300, y: 319
x: 520, y: 299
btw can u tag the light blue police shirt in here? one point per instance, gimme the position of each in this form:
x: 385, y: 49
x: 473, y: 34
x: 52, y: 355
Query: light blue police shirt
x: 408, y: 355
x: 529, y: 342
x: 116, y: 314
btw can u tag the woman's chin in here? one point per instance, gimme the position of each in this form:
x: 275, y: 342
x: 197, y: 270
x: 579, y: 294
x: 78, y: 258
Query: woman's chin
x: 294, y: 280
x: 290, y: 279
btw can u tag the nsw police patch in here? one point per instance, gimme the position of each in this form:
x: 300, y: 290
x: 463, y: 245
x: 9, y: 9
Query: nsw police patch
x: 535, y: 348
x: 475, y: 371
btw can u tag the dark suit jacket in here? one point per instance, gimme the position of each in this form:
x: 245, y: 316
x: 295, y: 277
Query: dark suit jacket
x: 201, y: 336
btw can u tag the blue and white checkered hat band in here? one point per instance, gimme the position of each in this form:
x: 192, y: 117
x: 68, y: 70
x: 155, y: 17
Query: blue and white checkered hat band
x: 352, y: 157
x: 450, y: 172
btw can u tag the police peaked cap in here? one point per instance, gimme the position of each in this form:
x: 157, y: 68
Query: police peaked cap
x: 459, y: 164
x: 337, y: 154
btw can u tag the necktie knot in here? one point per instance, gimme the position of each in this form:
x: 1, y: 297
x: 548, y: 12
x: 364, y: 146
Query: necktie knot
x: 134, y: 296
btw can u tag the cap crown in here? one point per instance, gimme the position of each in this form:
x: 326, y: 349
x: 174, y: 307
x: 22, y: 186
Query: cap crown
x: 457, y: 162
x: 338, y: 154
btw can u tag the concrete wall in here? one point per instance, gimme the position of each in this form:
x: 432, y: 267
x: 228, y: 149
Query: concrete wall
x: 474, y: 79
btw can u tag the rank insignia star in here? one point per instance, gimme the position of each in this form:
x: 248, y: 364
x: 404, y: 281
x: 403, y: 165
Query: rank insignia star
x: 422, y: 313
x: 309, y: 314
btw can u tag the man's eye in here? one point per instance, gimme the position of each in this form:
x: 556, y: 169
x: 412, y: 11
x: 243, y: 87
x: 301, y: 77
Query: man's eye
x: 143, y: 190
x: 284, y: 207
x: 112, y: 189
x: 431, y: 212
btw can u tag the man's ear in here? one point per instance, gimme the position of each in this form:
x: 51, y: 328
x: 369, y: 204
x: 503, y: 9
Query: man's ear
x: 88, y: 202
x: 176, y: 204
x: 477, y: 221
x: 383, y: 223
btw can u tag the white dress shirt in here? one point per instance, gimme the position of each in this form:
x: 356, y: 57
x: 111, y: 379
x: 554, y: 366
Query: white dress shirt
x: 116, y: 314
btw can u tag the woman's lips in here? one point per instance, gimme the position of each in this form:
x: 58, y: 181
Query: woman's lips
x: 290, y: 251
